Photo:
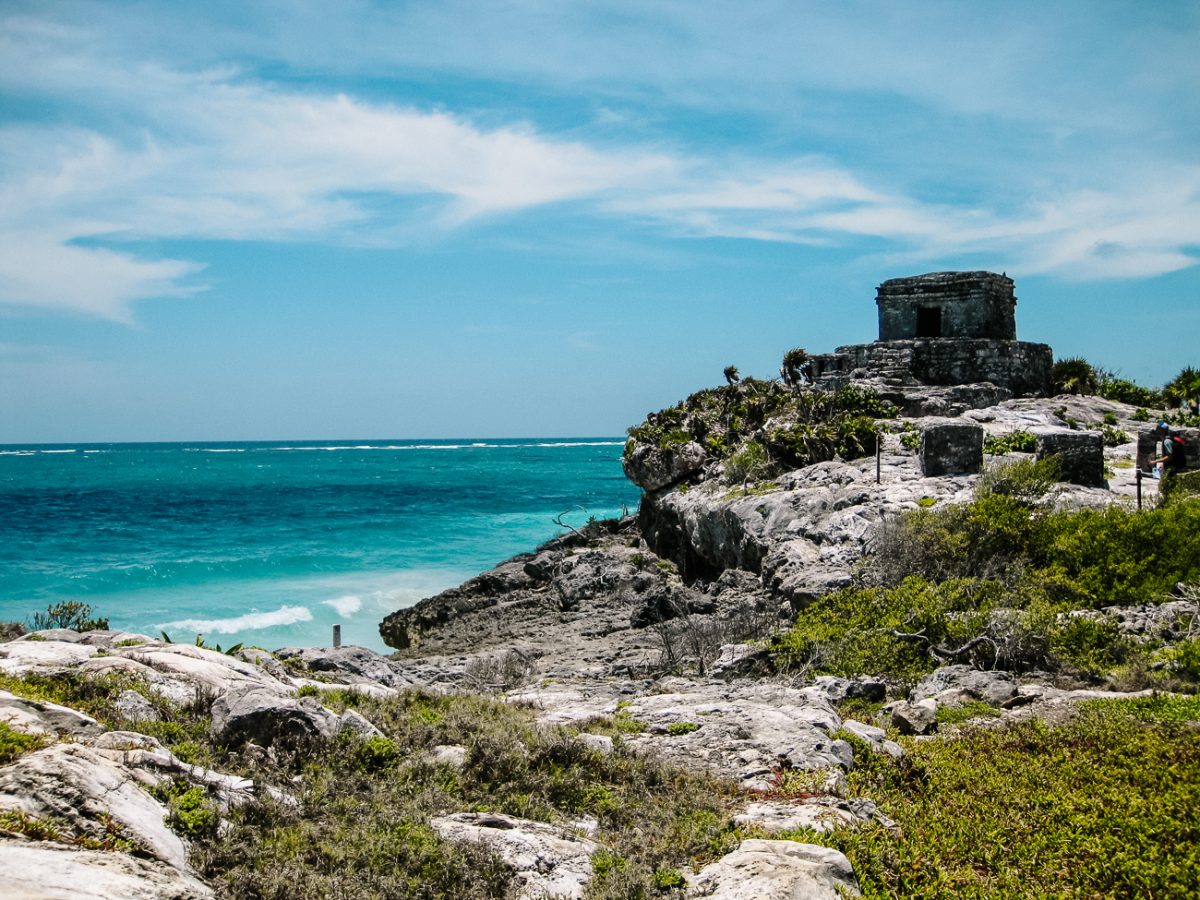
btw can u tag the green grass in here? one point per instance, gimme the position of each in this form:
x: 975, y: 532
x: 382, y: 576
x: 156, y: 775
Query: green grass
x: 972, y: 709
x: 14, y: 744
x: 1104, y: 806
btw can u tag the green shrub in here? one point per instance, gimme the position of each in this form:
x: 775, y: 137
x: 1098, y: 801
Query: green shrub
x: 1073, y: 376
x: 748, y: 463
x: 15, y: 743
x: 972, y: 709
x: 70, y: 614
x: 676, y: 729
x: 376, y: 754
x: 1124, y: 391
x: 888, y: 631
x: 1101, y: 807
x: 1015, y: 442
x: 1176, y: 487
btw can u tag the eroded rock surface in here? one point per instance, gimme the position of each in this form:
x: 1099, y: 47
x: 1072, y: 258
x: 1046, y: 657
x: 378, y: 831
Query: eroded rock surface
x: 777, y: 870
x: 35, y: 871
x: 545, y: 861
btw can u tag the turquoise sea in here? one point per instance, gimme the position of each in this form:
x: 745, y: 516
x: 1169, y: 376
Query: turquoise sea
x: 271, y: 543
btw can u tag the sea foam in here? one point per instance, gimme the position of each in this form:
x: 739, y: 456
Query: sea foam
x: 345, y: 606
x: 285, y: 615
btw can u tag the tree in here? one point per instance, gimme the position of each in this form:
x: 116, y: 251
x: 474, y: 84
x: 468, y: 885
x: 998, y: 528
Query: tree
x: 795, y: 367
x: 731, y: 375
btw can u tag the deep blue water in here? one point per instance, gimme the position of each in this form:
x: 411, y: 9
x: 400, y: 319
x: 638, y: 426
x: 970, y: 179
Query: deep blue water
x: 273, y: 542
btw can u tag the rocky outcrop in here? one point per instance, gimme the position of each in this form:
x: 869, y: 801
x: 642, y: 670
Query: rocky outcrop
x: 777, y: 870
x: 35, y: 871
x: 546, y: 862
x: 264, y: 718
x: 655, y: 467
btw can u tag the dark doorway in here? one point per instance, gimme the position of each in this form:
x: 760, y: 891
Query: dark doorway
x: 929, y: 321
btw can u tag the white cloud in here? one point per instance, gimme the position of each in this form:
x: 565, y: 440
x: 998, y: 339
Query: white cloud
x: 41, y: 271
x: 155, y: 152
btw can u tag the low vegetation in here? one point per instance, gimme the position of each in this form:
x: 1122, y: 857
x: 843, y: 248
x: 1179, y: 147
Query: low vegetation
x: 1006, y: 581
x: 1103, y: 806
x: 758, y: 428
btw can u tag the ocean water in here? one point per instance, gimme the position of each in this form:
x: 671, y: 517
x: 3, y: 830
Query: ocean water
x: 271, y: 543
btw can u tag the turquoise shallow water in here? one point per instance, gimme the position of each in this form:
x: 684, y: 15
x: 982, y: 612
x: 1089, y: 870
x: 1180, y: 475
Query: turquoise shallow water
x: 271, y: 543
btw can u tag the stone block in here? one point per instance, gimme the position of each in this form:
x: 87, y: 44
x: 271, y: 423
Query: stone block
x: 951, y: 448
x: 1081, y: 453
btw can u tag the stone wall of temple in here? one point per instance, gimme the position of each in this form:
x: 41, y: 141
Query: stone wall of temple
x: 1020, y: 366
x: 947, y: 305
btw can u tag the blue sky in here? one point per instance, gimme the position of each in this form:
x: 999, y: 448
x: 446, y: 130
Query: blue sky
x: 300, y: 219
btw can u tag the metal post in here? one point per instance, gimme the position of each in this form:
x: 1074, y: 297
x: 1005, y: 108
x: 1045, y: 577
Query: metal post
x: 337, y: 636
x: 1138, y: 479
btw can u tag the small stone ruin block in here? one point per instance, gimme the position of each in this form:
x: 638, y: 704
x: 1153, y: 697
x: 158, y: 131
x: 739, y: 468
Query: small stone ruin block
x: 1081, y: 454
x: 951, y: 448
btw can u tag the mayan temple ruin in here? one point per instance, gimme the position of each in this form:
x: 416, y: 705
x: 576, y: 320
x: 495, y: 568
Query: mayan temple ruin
x: 944, y: 330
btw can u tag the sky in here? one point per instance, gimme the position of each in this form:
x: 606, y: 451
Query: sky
x: 241, y: 221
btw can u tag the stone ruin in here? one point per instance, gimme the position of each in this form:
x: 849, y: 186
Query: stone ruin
x: 947, y: 343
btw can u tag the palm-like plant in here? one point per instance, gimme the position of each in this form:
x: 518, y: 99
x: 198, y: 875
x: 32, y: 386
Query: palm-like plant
x: 1074, y: 376
x: 1183, y: 387
x: 731, y: 375
x: 795, y: 366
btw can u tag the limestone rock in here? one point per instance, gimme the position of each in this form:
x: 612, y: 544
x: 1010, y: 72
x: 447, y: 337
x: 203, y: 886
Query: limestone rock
x: 357, y: 723
x: 995, y: 688
x: 652, y: 468
x: 45, y: 718
x: 875, y: 737
x: 600, y: 743
x: 745, y: 731
x: 777, y: 870
x: 452, y: 755
x: 264, y: 717
x: 136, y: 708
x: 915, y: 718
x: 349, y: 664
x: 740, y: 660
x: 822, y: 813
x: 545, y: 862
x: 43, y: 871
x: 80, y: 786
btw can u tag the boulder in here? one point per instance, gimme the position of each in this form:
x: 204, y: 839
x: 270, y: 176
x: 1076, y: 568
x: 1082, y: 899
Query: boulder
x: 45, y: 718
x: 349, y: 664
x: 820, y: 813
x: 358, y: 724
x: 545, y: 862
x: 452, y: 755
x: 82, y: 788
x: 951, y: 684
x: 915, y: 718
x: 261, y: 716
x: 743, y: 731
x: 651, y: 467
x: 741, y: 660
x: 777, y: 870
x: 875, y: 737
